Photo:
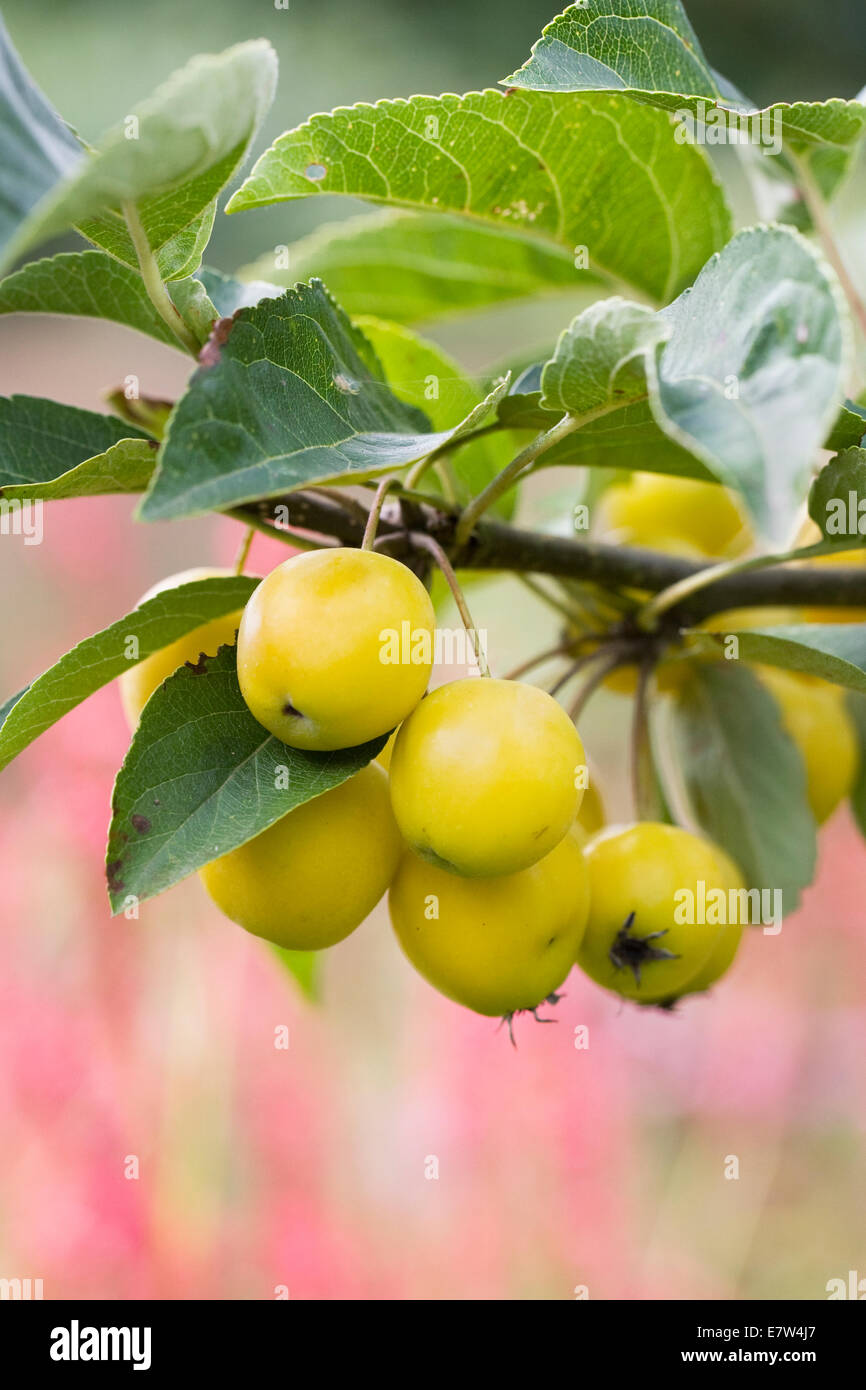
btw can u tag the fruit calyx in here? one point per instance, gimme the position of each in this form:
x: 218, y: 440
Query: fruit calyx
x: 508, y: 1019
x: 630, y: 952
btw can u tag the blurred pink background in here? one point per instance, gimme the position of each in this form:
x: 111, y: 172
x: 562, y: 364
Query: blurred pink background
x: 559, y: 1168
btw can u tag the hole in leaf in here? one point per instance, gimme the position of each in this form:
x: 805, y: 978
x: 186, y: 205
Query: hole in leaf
x: 315, y: 172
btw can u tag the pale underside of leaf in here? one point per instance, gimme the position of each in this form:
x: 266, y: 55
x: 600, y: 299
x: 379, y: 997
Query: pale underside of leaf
x: 600, y: 359
x: 751, y: 377
x: 37, y: 148
x: 191, y: 135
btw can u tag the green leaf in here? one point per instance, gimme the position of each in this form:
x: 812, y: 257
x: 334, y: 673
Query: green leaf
x: 641, y: 47
x: 744, y: 777
x: 752, y: 374
x: 209, y: 295
x: 304, y: 967
x: 105, y: 656
x: 124, y: 467
x: 195, y: 307
x: 295, y: 395
x: 572, y: 172
x: 49, y: 451
x: 628, y: 438
x: 419, y: 373
x: 824, y: 134
x: 849, y: 428
x: 87, y: 284
x: 202, y: 777
x: 191, y: 136
x: 179, y: 257
x: 857, y: 710
x: 409, y: 266
x: 834, y: 651
x: 647, y: 50
x: 600, y: 359
x: 147, y: 413
x: 837, y: 499
x: 37, y: 148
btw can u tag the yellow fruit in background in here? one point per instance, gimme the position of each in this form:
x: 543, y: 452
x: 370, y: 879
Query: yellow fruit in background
x: 815, y: 715
x: 638, y: 941
x: 139, y: 682
x: 484, y: 776
x: 335, y: 648
x: 746, y: 619
x: 590, y: 814
x: 384, y: 758
x: 496, y: 945
x: 675, y: 515
x: 311, y: 878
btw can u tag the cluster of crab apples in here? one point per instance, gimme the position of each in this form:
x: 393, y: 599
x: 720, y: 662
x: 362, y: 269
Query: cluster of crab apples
x: 474, y: 817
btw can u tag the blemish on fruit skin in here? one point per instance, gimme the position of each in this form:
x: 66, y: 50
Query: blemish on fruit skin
x: 140, y: 823
x: 538, y: 834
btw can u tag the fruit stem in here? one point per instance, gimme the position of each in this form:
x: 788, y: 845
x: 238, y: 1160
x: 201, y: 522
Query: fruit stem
x: 605, y: 661
x: 153, y: 281
x: 540, y: 657
x: 512, y: 472
x: 244, y: 552
x: 435, y: 549
x: 280, y: 533
x: 420, y: 468
x: 375, y: 512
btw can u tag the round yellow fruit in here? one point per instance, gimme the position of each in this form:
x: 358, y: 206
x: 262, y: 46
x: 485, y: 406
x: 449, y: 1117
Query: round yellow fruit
x: 639, y: 941
x: 720, y: 960
x: 496, y: 945
x: 139, y: 682
x: 335, y: 648
x: 484, y: 776
x: 679, y: 516
x: 311, y: 878
x: 815, y: 716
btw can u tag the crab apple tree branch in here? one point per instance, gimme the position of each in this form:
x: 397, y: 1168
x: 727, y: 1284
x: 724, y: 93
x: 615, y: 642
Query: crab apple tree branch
x: 497, y: 545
